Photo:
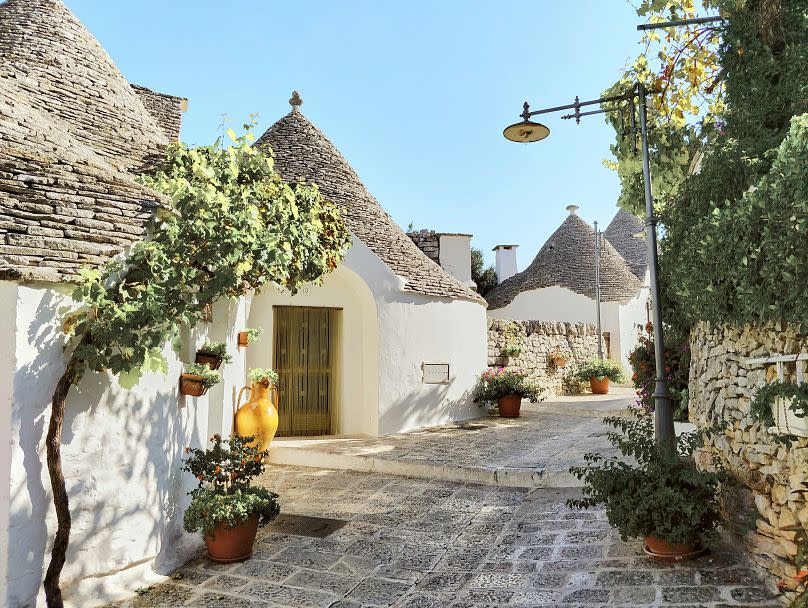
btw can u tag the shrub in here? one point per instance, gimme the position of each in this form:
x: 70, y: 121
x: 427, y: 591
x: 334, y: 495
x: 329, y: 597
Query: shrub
x: 258, y: 375
x: 677, y: 369
x: 225, y: 494
x: 600, y: 369
x: 218, y: 349
x: 210, y: 377
x: 651, y: 490
x: 494, y: 383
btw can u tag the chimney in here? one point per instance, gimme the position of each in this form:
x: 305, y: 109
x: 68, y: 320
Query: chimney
x: 506, y: 261
x: 165, y: 109
x: 455, y: 256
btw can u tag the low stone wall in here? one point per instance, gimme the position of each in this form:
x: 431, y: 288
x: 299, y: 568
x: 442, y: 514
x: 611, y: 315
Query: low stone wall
x: 539, y: 340
x: 428, y: 242
x: 721, y: 389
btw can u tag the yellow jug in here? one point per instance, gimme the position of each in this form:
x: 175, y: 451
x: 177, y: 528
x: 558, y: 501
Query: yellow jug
x: 259, y: 416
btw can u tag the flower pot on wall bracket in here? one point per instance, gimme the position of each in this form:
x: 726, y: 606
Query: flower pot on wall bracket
x: 192, y: 385
x: 509, y: 406
x: 560, y: 360
x: 234, y: 544
x: 599, y: 387
x: 243, y: 338
x: 211, y: 360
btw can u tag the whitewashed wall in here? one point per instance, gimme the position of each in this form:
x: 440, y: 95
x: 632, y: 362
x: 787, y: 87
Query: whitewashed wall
x: 387, y: 334
x: 121, y: 456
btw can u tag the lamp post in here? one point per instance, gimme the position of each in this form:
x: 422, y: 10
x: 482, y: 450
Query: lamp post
x: 597, y: 290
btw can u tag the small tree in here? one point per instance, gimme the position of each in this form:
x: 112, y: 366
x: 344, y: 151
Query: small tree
x: 236, y: 227
x: 485, y: 278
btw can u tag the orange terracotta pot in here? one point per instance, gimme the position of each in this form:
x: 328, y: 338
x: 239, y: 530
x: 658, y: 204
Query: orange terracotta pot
x: 243, y: 338
x: 209, y: 359
x: 599, y: 387
x: 662, y: 547
x: 509, y: 406
x: 232, y: 544
x: 192, y: 385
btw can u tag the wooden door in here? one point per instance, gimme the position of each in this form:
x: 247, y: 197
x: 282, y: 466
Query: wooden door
x: 305, y: 349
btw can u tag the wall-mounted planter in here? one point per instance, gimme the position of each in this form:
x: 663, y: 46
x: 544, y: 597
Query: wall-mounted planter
x: 243, y: 338
x: 192, y: 385
x: 560, y: 360
x: 212, y: 360
x: 786, y: 421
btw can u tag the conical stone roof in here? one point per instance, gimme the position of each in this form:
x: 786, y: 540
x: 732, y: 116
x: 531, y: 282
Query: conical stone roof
x: 66, y: 199
x: 621, y: 233
x: 567, y: 259
x: 304, y: 154
x: 67, y: 73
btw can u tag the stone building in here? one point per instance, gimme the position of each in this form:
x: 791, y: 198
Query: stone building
x: 559, y: 284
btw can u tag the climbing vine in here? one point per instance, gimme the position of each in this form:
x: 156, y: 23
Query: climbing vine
x: 234, y: 227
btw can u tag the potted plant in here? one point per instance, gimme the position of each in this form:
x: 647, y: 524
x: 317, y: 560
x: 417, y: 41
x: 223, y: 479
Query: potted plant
x: 506, y: 387
x: 653, y: 491
x: 213, y: 354
x: 783, y: 407
x: 197, y: 379
x: 598, y: 372
x: 511, y: 349
x: 225, y: 507
x: 558, y: 358
x: 249, y: 335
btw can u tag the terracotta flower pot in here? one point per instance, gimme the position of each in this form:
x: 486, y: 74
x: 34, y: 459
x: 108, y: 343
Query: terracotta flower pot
x: 232, y: 544
x: 209, y: 359
x: 560, y: 361
x: 599, y: 387
x: 509, y: 406
x: 243, y: 338
x: 663, y: 548
x: 192, y: 385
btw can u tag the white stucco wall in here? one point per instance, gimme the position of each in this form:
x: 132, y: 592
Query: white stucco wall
x: 386, y: 335
x: 561, y: 304
x: 121, y: 454
x: 455, y: 256
x: 7, y: 367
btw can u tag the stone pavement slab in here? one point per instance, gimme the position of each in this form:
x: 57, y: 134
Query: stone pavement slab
x: 416, y: 543
x: 535, y: 450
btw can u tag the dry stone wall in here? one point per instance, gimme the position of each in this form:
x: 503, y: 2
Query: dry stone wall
x: 539, y: 341
x: 428, y: 242
x: 722, y: 386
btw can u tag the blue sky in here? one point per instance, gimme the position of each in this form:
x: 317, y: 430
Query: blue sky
x: 415, y: 94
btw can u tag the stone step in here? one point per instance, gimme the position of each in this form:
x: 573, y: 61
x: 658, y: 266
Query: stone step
x: 503, y: 476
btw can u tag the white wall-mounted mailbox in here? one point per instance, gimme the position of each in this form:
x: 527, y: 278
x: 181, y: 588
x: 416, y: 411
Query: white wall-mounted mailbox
x: 435, y: 373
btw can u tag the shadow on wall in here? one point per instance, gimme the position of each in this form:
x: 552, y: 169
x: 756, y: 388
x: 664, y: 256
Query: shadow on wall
x: 121, y: 453
x: 411, y: 409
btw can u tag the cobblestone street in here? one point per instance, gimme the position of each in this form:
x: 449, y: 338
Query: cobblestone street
x: 416, y: 543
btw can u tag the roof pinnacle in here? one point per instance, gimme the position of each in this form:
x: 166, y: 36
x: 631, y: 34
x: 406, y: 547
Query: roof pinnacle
x: 295, y: 101
x: 572, y: 209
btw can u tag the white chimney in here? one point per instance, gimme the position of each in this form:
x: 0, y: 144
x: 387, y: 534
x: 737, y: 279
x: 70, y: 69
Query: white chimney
x: 506, y: 261
x: 455, y: 256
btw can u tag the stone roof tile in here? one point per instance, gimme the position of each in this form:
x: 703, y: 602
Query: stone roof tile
x: 621, y: 233
x: 304, y: 154
x: 567, y: 259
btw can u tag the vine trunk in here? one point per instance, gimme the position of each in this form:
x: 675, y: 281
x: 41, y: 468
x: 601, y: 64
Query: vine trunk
x: 53, y: 592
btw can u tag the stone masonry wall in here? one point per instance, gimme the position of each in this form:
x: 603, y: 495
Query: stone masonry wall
x: 428, y: 242
x: 721, y: 389
x: 539, y: 341
x: 165, y: 109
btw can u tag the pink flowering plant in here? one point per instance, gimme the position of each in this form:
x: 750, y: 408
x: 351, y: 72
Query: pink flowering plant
x: 496, y: 382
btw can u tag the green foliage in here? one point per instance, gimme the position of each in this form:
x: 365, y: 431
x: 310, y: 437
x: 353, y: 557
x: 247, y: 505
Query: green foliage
x: 731, y: 251
x: 484, y: 278
x: 263, y: 376
x: 219, y: 349
x: 767, y: 395
x: 600, y: 369
x: 210, y: 377
x: 254, y: 334
x: 224, y: 493
x: 651, y: 490
x: 677, y: 370
x: 235, y: 227
x: 514, y: 340
x: 494, y: 383
x: 511, y: 349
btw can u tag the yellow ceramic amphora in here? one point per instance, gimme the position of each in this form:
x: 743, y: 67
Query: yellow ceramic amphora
x: 259, y: 416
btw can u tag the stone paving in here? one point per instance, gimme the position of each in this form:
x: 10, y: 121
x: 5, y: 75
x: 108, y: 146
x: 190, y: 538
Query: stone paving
x: 535, y: 450
x: 416, y: 543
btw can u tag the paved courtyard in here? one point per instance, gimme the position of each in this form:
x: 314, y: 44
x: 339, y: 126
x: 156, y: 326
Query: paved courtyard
x: 417, y: 543
x: 534, y: 450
